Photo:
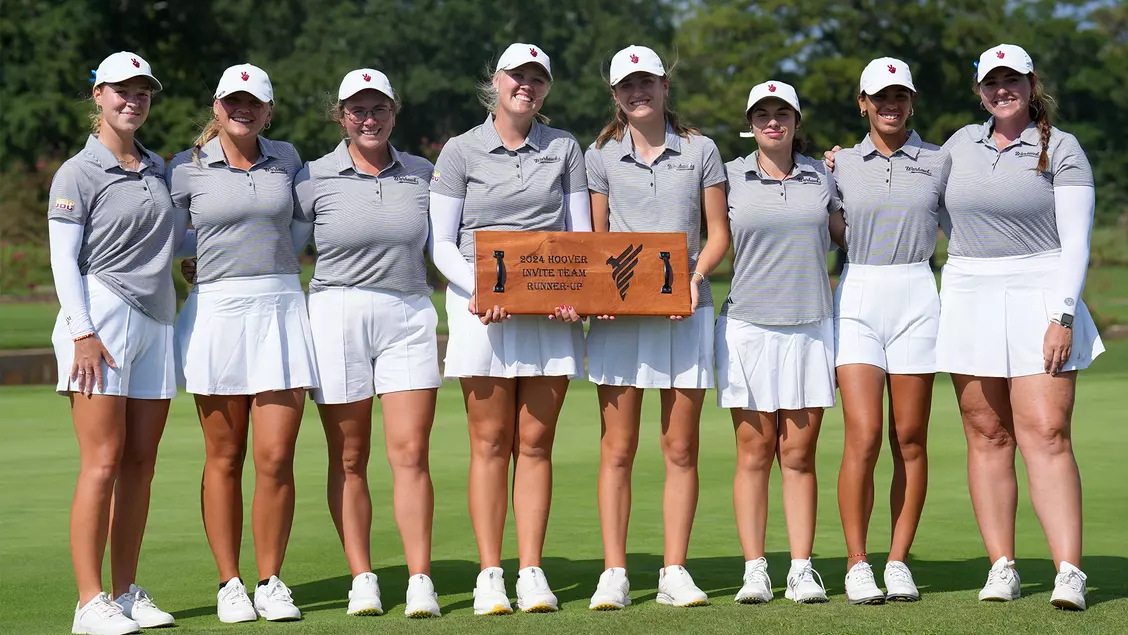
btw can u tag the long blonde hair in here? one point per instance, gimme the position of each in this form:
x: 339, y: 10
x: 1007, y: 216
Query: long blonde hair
x: 488, y: 96
x: 1042, y: 109
x: 210, y: 131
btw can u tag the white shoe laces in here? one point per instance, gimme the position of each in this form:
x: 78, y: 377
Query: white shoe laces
x: 279, y: 592
x: 104, y: 607
x: 1000, y: 575
x: 142, y: 598
x: 234, y: 597
x: 758, y: 575
x: 1070, y: 579
x: 898, y: 573
x: 862, y: 574
x: 808, y: 573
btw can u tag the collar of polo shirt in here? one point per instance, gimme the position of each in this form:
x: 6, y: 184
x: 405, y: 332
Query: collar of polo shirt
x: 107, y: 160
x: 212, y: 152
x: 911, y: 148
x: 673, y: 142
x: 492, y: 140
x: 345, y: 161
x: 752, y: 164
x: 1030, y: 136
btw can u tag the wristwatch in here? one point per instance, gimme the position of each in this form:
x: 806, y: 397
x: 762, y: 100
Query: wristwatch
x: 1064, y: 319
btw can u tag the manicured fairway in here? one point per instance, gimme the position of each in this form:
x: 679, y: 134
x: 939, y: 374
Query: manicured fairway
x: 38, y: 461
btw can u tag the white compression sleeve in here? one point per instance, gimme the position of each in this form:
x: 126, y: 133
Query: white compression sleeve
x: 66, y: 243
x: 1074, y: 206
x: 445, y: 218
x: 300, y: 232
x: 577, y: 212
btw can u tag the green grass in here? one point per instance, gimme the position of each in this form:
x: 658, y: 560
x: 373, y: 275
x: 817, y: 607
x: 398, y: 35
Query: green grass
x: 38, y: 463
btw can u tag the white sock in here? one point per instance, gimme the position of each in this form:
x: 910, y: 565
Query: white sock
x: 799, y: 563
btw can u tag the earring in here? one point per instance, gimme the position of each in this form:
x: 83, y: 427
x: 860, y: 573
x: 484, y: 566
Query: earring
x: 912, y: 111
x: 864, y: 114
x: 267, y: 126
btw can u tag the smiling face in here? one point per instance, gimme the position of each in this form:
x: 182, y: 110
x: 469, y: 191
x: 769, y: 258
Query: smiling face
x: 1005, y: 93
x: 641, y: 95
x: 888, y: 109
x: 368, y: 118
x: 124, y: 105
x: 773, y: 123
x: 521, y: 91
x: 241, y: 114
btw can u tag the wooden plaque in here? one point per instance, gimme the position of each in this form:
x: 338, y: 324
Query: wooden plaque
x: 604, y: 273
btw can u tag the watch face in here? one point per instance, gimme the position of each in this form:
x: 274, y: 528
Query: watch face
x: 1066, y: 319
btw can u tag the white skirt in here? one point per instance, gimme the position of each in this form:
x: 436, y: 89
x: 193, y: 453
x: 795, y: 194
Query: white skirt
x: 652, y: 352
x: 522, y: 346
x: 887, y: 316
x: 767, y: 368
x: 244, y: 336
x: 371, y: 342
x: 994, y: 313
x: 140, y: 346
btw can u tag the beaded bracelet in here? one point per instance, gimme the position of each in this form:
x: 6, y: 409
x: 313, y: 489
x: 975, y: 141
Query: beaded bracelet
x: 83, y: 337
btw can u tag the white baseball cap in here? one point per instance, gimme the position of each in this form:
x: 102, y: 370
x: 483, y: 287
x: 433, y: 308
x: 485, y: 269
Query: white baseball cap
x: 772, y: 88
x: 519, y: 54
x: 246, y: 78
x: 634, y: 59
x: 364, y: 79
x: 884, y: 72
x: 1005, y: 55
x: 124, y: 65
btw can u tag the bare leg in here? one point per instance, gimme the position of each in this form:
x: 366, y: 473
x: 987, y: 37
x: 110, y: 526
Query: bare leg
x: 756, y: 438
x: 99, y: 424
x: 538, y: 407
x: 620, y: 410
x: 408, y: 417
x: 491, y: 414
x: 276, y: 416
x: 681, y: 440
x: 863, y: 390
x: 348, y: 436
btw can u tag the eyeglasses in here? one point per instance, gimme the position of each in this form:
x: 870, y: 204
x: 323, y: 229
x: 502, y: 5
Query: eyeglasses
x: 360, y: 115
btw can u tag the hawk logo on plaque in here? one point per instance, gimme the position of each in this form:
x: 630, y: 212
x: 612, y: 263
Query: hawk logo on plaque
x: 622, y: 268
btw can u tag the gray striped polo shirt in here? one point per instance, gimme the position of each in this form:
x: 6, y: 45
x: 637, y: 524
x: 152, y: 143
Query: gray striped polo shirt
x: 127, y: 220
x: 662, y: 197
x: 370, y: 231
x: 1000, y: 205
x: 781, y: 234
x: 508, y: 190
x: 242, y: 217
x: 892, y: 204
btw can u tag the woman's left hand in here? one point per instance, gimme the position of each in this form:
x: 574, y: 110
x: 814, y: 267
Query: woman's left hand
x: 1057, y: 346
x: 566, y: 314
x: 694, y: 298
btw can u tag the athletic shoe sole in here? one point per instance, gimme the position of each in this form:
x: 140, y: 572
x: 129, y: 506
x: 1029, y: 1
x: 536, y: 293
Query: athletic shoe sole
x: 874, y: 601
x: 371, y: 611
x: 752, y: 599
x: 1067, y: 605
x: 904, y: 597
x: 668, y: 601
x: 543, y: 607
x: 605, y: 606
x: 498, y: 609
x: 421, y: 614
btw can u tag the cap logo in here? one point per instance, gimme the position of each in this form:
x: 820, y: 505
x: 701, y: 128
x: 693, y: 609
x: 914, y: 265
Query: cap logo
x: 532, y: 51
x: 367, y: 77
x: 892, y: 68
x: 136, y: 64
x: 771, y: 88
x: 634, y: 59
x: 246, y: 76
x: 1000, y: 54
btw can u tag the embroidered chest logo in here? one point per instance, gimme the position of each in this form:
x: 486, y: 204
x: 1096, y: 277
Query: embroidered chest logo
x: 274, y: 169
x: 435, y: 176
x: 681, y: 167
x: 1027, y: 153
x: 622, y: 268
x: 552, y: 158
x: 807, y: 179
x: 413, y: 180
x: 912, y: 169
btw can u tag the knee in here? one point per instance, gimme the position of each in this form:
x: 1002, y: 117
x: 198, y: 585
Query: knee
x: 275, y: 463
x: 1047, y: 438
x: 409, y: 455
x: 536, y: 447
x: 680, y: 453
x: 797, y: 459
x: 618, y: 452
x: 986, y: 432
x: 138, y: 467
x: 353, y: 462
x: 226, y: 461
x: 103, y: 465
x: 491, y: 443
x: 911, y: 449
x: 755, y: 457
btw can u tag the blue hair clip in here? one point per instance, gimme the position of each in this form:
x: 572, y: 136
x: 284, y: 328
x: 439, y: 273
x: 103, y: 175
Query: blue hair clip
x: 975, y: 64
x: 93, y: 76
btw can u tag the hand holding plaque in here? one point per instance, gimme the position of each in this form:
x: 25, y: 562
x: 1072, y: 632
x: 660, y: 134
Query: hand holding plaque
x: 583, y: 273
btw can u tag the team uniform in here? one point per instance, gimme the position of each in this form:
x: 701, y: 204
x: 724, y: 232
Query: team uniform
x: 1000, y: 286
x: 665, y: 196
x: 886, y: 306
x: 127, y: 225
x: 244, y: 329
x: 775, y: 336
x: 500, y: 189
x: 369, y: 301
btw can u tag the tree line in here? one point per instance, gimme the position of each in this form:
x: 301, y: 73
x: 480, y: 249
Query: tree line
x: 435, y: 52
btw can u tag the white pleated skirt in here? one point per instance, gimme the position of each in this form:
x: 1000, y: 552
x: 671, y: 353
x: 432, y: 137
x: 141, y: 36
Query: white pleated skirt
x: 994, y: 313
x: 767, y: 368
x: 243, y: 336
x: 652, y: 351
x: 522, y: 346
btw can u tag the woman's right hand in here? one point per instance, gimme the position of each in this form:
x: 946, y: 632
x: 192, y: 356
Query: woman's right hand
x: 495, y: 314
x: 828, y: 157
x: 188, y: 270
x: 87, y: 367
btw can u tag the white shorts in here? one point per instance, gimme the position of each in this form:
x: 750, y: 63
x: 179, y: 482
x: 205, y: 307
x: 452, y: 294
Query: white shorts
x: 767, y: 368
x: 887, y: 316
x: 141, y: 347
x: 244, y: 336
x: 522, y: 346
x: 994, y: 315
x: 370, y: 342
x: 652, y: 352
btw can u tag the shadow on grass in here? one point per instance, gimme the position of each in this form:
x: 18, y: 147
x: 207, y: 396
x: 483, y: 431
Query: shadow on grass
x: 574, y: 580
